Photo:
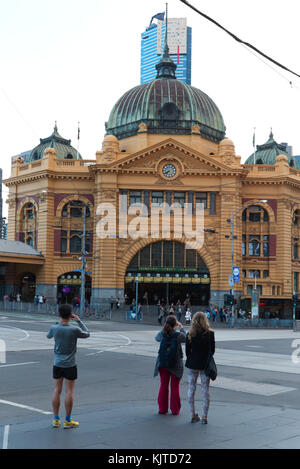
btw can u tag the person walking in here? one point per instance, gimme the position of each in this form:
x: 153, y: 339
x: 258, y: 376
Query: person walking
x: 200, y: 343
x: 65, y: 368
x: 169, y: 365
x: 179, y: 311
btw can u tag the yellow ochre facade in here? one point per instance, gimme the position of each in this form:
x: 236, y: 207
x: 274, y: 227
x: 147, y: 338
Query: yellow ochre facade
x: 171, y: 151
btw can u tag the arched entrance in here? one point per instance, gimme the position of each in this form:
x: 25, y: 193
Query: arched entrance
x: 168, y: 271
x: 69, y: 287
x: 27, y: 287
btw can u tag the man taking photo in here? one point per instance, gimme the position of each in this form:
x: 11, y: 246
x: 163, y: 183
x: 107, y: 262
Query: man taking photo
x: 65, y: 337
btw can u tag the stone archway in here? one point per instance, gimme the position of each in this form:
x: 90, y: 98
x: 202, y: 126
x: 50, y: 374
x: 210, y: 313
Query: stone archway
x: 167, y: 271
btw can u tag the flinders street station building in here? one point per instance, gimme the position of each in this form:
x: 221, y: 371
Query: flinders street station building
x: 165, y: 143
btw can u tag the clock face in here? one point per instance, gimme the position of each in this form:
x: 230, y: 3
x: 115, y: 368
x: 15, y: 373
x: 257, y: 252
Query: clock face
x: 169, y: 170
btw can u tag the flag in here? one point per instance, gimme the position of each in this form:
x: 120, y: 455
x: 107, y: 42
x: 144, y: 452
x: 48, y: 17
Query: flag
x: 158, y: 16
x: 78, y: 135
x: 253, y: 138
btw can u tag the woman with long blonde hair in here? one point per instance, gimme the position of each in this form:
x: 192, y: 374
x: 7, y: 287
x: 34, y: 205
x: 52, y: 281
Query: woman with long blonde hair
x: 200, y: 344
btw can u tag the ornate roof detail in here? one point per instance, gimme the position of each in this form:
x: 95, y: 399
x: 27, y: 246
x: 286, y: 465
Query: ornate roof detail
x: 267, y: 153
x: 62, y: 146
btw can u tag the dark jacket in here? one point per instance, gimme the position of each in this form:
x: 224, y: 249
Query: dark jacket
x: 178, y: 368
x: 197, y: 349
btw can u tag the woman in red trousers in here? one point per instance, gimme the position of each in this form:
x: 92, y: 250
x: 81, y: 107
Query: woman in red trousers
x: 169, y: 364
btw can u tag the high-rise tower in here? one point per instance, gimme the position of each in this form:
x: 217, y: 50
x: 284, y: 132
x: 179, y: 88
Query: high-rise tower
x: 180, y: 47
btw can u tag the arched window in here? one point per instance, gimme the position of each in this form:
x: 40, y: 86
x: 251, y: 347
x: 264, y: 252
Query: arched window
x: 28, y: 224
x: 28, y: 211
x: 74, y: 209
x: 75, y: 242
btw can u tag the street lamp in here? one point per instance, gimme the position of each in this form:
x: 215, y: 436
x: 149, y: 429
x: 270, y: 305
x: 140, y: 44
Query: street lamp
x: 232, y: 237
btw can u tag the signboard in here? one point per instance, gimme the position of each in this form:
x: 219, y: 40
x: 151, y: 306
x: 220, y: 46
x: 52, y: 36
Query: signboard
x: 236, y: 274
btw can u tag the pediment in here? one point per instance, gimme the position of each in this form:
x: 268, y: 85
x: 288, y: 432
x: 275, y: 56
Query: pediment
x: 189, y: 160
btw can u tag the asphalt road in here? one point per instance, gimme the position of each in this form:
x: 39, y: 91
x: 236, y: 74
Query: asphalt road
x: 252, y: 404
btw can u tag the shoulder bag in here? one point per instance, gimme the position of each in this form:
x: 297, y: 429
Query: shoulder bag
x: 210, y: 367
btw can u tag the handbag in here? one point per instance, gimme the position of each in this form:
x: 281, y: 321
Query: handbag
x: 211, y: 367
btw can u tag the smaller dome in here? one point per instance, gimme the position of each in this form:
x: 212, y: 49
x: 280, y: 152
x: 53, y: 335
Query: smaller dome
x: 63, y: 148
x: 267, y: 153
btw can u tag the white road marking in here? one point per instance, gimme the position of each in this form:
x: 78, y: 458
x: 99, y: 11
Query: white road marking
x: 250, y: 387
x: 22, y: 406
x: 118, y: 347
x: 18, y: 364
x: 5, y: 437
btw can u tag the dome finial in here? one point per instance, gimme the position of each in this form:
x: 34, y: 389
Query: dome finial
x: 55, y: 127
x: 166, y: 67
x: 271, y: 136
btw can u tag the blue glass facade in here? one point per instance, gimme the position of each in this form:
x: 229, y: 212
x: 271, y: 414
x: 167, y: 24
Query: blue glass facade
x: 149, y: 56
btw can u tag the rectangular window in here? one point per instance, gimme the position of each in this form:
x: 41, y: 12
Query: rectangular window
x: 296, y: 281
x: 179, y: 255
x: 244, y: 273
x: 249, y: 289
x: 254, y: 216
x: 244, y: 245
x: 254, y: 273
x: 266, y: 274
x: 75, y: 212
x: 168, y: 254
x: 156, y: 255
x: 201, y: 198
x: 145, y: 257
x: 135, y: 197
x: 295, y: 249
x: 266, y: 246
x: 179, y: 198
x: 157, y: 197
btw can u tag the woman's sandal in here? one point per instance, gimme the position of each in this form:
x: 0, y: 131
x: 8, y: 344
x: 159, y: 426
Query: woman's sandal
x: 204, y: 420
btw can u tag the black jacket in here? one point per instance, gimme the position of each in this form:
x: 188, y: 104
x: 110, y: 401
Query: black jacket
x: 197, y: 349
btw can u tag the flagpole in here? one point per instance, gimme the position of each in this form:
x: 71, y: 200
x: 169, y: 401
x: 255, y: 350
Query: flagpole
x: 78, y: 136
x: 254, y: 146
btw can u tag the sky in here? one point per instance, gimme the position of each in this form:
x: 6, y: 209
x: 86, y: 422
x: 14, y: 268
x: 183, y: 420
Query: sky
x: 70, y: 60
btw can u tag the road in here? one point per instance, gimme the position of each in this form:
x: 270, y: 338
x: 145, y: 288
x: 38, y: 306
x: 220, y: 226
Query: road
x: 254, y: 401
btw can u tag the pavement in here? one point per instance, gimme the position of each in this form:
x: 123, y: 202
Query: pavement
x: 254, y: 401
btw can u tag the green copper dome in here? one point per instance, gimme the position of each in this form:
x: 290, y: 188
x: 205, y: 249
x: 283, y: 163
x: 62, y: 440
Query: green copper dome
x: 63, y: 147
x: 167, y: 106
x: 267, y: 153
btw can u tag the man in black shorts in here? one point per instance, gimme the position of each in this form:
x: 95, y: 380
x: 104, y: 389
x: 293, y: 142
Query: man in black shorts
x: 65, y: 336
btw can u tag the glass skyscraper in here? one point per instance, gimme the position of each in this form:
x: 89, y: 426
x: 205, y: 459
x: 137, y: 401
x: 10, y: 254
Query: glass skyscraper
x: 180, y: 47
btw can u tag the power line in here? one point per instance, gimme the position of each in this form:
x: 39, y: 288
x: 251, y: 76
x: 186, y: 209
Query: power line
x: 236, y: 38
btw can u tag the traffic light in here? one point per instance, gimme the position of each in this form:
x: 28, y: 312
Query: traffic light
x: 294, y: 301
x: 228, y: 299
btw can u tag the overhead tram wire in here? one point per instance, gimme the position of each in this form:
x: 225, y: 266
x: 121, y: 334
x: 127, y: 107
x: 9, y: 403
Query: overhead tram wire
x: 236, y: 38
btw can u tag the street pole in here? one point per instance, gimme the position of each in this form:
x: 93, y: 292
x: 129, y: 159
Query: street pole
x: 83, y: 265
x: 294, y: 313
x: 232, y: 262
x: 136, y: 293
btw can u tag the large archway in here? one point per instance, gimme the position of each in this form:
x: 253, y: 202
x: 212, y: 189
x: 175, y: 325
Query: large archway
x: 168, y: 272
x: 69, y: 287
